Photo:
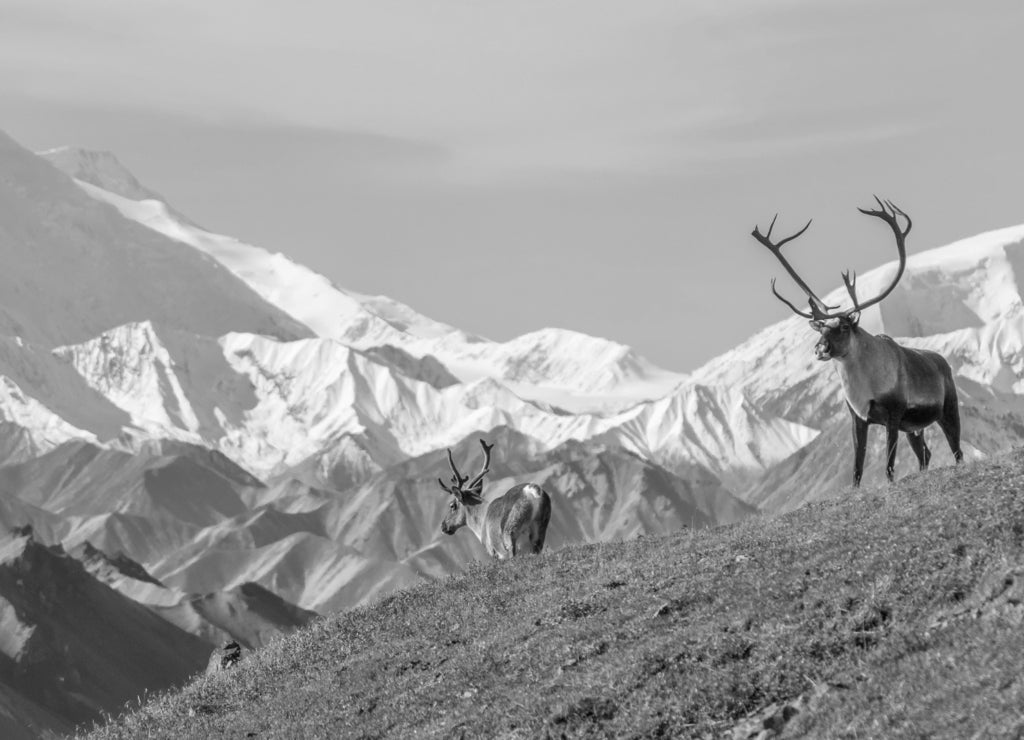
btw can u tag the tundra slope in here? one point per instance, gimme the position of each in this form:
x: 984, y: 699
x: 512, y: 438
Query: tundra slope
x: 892, y: 612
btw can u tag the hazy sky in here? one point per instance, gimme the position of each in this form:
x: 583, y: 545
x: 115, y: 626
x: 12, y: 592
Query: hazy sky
x: 506, y: 166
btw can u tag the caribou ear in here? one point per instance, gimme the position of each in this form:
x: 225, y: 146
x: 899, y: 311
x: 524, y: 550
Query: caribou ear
x: 854, y: 317
x: 818, y: 326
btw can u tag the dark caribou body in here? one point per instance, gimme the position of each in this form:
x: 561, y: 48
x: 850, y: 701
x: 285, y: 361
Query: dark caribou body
x: 902, y: 389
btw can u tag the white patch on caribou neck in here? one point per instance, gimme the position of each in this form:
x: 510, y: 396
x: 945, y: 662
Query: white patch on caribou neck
x: 858, y: 394
x: 532, y: 490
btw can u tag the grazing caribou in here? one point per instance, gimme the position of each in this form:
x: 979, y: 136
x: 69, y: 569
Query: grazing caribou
x: 885, y: 383
x: 521, y: 513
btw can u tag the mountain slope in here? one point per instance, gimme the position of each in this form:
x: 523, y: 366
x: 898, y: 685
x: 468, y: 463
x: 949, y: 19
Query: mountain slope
x: 249, y: 614
x: 893, y: 613
x: 75, y: 267
x: 307, y: 296
x: 73, y: 645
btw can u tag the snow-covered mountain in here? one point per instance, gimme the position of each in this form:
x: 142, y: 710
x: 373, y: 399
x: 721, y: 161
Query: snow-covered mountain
x: 74, y: 267
x: 561, y: 367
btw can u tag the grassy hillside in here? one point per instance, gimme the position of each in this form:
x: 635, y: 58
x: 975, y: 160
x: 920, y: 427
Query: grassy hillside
x: 892, y: 612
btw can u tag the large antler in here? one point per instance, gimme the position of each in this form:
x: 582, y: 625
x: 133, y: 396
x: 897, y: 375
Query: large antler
x: 888, y: 212
x: 818, y: 308
x: 458, y: 482
x: 457, y: 478
x: 479, y: 480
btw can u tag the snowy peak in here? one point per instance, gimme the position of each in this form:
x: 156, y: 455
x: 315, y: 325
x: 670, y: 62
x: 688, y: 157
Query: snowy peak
x: 99, y: 168
x: 559, y: 367
x: 963, y: 285
x: 75, y: 267
x: 562, y: 368
x: 573, y: 360
x: 308, y: 296
x: 172, y: 384
x: 714, y: 427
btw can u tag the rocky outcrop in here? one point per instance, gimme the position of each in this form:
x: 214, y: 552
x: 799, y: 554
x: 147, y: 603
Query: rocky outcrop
x: 226, y: 656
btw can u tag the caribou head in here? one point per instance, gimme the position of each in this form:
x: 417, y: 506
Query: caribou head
x: 839, y: 327
x: 464, y: 495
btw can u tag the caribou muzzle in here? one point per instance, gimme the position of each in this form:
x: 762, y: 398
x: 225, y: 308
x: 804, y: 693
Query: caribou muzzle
x: 823, y: 349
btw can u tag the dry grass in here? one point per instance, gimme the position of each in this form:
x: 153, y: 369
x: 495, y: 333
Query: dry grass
x: 890, y: 612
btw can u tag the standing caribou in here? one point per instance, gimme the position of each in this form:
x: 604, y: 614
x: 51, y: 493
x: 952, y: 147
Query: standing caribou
x: 900, y: 388
x: 501, y: 523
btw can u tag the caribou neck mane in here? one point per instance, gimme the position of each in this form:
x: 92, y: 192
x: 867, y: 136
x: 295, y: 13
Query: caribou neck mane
x: 476, y: 515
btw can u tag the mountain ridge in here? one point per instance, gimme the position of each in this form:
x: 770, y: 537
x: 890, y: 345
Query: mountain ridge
x: 77, y: 267
x: 365, y: 322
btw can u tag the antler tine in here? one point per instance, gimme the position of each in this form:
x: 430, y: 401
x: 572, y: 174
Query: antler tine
x: 446, y: 488
x: 897, y: 209
x: 478, y: 481
x: 457, y: 478
x: 888, y: 212
x: 819, y: 309
x: 791, y: 237
x: 766, y: 239
x: 791, y: 306
x: 881, y: 212
x: 851, y: 287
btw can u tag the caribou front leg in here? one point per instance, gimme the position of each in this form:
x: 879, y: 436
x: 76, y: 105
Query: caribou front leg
x: 892, y: 436
x: 920, y: 448
x: 860, y: 445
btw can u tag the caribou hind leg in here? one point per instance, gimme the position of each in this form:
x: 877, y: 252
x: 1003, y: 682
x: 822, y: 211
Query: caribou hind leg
x: 949, y: 422
x: 537, y: 535
x: 920, y: 448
